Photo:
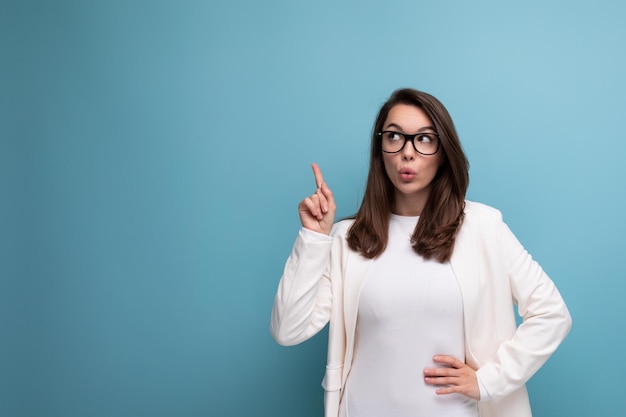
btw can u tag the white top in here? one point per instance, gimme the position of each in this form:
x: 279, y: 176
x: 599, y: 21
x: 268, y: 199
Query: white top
x: 410, y: 310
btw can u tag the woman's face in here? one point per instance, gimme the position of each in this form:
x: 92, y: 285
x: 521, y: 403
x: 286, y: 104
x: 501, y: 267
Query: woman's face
x: 410, y: 172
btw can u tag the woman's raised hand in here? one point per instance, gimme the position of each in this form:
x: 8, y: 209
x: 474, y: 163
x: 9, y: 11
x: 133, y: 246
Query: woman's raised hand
x: 317, y: 212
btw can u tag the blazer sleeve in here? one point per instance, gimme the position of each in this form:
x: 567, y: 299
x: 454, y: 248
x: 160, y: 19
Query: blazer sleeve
x: 303, y: 300
x: 546, y: 321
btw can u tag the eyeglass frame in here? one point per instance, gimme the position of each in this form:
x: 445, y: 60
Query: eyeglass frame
x: 412, y: 139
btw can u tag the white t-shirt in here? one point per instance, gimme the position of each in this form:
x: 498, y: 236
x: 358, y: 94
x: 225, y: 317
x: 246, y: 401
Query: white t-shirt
x: 410, y: 309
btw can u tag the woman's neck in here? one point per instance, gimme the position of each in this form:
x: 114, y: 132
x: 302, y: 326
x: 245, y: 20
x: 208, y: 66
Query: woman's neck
x: 410, y: 204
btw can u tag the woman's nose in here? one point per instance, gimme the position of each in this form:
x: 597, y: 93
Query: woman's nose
x: 408, y: 152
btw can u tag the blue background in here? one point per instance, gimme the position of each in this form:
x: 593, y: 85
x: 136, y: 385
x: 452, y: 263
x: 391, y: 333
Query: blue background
x: 153, y: 154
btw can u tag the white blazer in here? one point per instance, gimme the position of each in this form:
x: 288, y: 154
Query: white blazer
x: 322, y: 282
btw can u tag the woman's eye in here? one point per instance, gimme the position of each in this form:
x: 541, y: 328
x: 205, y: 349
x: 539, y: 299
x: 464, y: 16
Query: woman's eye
x: 425, y: 138
x: 394, y: 136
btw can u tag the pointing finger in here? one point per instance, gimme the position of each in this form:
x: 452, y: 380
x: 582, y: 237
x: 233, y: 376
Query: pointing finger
x: 319, y: 179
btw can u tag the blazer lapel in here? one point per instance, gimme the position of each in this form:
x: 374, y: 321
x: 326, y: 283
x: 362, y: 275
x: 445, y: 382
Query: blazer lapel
x: 357, y: 271
x: 464, y: 263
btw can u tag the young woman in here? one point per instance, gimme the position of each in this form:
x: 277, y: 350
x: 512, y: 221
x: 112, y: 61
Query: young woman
x: 419, y: 286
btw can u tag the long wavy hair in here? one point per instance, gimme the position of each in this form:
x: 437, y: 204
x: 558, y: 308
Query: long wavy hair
x: 443, y: 214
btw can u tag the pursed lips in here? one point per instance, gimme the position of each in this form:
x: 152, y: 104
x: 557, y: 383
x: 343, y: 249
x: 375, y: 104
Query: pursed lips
x: 407, y: 173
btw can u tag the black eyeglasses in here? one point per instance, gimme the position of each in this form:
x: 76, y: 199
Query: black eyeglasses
x: 427, y: 143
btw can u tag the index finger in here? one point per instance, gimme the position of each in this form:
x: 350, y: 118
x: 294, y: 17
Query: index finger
x: 448, y: 360
x: 319, y: 179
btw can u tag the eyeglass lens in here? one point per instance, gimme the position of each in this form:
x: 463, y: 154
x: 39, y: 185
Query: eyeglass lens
x: 424, y: 143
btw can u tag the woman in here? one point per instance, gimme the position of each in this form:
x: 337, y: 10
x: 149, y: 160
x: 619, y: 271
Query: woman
x: 419, y: 286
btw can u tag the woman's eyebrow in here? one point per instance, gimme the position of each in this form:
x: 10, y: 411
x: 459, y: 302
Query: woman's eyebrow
x: 421, y: 129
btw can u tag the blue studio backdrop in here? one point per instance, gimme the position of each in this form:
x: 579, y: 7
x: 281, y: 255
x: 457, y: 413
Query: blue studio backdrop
x: 153, y: 154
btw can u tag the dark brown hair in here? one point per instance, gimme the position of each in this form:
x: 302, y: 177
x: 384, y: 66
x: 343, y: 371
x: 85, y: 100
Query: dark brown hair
x: 442, y: 215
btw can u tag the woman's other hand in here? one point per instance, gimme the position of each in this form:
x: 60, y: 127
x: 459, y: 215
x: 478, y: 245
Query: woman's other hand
x: 317, y: 212
x: 456, y: 377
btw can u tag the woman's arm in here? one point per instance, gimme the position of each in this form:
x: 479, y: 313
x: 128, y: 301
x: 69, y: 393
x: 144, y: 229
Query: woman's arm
x: 304, y: 297
x: 546, y: 321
